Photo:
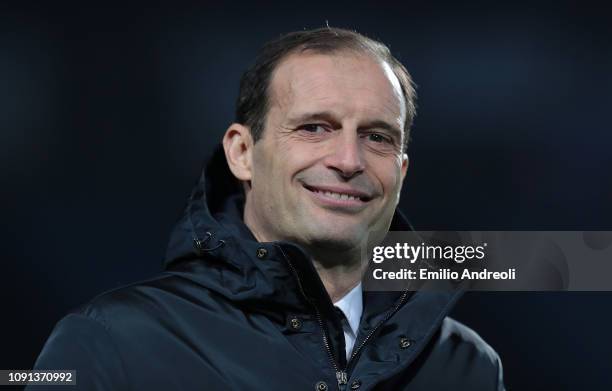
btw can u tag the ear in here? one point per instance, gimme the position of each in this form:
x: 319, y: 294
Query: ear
x: 405, y: 163
x: 238, y: 146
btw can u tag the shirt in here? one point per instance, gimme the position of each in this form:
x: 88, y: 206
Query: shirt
x: 351, y: 306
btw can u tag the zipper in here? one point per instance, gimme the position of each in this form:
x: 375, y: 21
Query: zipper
x: 396, y: 308
x: 341, y: 373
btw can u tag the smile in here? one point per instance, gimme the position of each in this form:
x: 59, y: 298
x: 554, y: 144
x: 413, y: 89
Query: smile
x: 339, y: 198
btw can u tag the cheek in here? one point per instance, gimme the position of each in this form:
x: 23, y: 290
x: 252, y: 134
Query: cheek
x: 389, y: 174
x: 294, y: 158
x: 274, y: 169
x: 265, y: 176
x: 392, y: 189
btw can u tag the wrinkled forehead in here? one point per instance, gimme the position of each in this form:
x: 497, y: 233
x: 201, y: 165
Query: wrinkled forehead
x: 350, y: 83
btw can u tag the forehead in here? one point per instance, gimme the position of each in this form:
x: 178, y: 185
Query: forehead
x: 351, y: 85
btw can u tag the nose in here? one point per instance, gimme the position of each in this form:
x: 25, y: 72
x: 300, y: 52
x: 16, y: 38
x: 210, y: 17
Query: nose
x: 346, y: 156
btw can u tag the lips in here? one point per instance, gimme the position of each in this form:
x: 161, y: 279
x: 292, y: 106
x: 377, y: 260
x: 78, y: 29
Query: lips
x: 340, y: 193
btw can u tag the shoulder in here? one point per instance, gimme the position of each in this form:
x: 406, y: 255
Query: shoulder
x: 101, y: 317
x: 151, y: 301
x: 456, y: 333
x: 465, y: 359
x: 464, y: 345
x: 110, y: 339
x: 128, y: 301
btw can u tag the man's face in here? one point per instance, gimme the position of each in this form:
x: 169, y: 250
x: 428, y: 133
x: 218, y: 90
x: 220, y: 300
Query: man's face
x: 329, y: 167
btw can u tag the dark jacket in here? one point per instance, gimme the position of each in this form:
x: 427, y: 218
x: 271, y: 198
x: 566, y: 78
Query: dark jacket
x: 232, y: 313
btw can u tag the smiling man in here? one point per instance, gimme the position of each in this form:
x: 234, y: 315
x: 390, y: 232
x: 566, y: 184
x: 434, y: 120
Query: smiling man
x: 262, y: 288
x: 328, y: 168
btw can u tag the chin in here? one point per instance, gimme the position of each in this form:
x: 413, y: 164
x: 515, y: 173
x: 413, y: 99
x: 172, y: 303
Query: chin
x: 338, y: 238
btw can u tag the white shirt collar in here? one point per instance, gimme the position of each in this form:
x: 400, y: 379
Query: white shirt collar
x: 351, y: 305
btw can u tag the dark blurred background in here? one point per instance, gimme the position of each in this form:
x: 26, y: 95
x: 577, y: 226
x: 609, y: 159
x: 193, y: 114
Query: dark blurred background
x: 107, y: 112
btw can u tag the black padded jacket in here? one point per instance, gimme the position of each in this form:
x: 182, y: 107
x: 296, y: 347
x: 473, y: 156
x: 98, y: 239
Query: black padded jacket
x: 230, y: 313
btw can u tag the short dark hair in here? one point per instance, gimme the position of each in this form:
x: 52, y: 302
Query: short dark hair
x: 253, y: 97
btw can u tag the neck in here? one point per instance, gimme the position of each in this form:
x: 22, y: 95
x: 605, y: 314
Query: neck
x: 338, y: 280
x: 340, y: 270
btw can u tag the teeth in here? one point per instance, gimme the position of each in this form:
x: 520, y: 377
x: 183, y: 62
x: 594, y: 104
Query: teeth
x: 338, y: 196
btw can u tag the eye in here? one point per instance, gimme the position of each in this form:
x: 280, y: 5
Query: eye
x: 378, y: 138
x: 313, y: 128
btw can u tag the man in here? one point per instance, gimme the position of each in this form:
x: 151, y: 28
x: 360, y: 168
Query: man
x: 262, y: 286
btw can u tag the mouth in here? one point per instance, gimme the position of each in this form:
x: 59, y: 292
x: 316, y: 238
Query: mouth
x: 339, y: 197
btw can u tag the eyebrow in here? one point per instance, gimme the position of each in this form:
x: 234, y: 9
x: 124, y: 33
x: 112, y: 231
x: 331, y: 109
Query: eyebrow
x: 331, y: 118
